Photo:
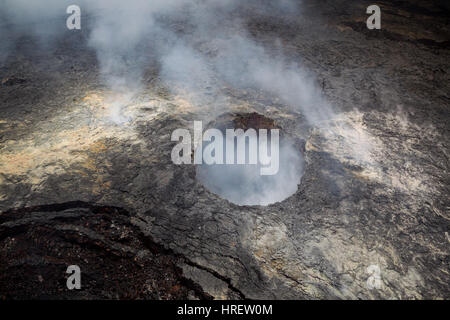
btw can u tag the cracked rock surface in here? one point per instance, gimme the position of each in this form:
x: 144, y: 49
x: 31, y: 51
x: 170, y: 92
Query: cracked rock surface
x: 375, y: 187
x: 117, y: 261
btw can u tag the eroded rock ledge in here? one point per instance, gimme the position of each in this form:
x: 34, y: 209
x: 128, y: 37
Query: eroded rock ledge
x: 117, y: 261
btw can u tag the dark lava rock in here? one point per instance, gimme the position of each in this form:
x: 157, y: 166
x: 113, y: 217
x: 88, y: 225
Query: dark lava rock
x: 116, y: 260
x: 11, y: 81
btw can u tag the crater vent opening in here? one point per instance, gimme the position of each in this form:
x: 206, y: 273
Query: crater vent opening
x: 243, y: 184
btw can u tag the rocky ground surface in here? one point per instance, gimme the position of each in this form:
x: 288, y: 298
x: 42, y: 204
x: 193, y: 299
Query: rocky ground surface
x: 374, y: 191
x: 118, y: 261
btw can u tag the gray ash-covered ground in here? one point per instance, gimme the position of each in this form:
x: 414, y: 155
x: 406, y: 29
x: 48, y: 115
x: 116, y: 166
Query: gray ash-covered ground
x: 375, y: 187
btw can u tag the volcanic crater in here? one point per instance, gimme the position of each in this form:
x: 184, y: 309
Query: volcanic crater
x: 78, y: 187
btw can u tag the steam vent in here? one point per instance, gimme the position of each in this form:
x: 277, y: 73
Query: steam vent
x: 123, y: 124
x: 244, y: 184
